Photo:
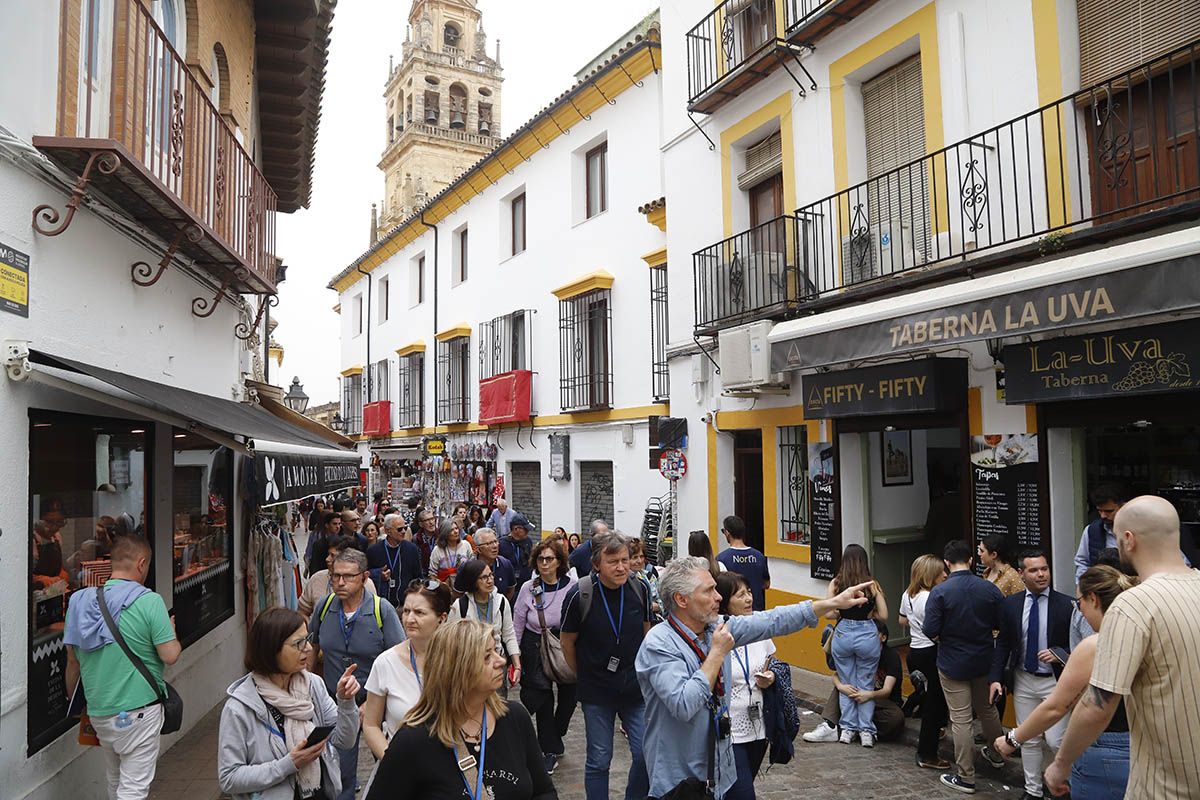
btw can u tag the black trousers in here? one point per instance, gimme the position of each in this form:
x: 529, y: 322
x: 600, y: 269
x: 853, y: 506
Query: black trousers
x: 552, y: 718
x: 934, y: 715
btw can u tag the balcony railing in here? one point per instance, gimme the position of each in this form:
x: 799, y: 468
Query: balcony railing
x: 723, y: 48
x: 807, y: 21
x: 1067, y: 171
x: 124, y: 89
x: 748, y: 276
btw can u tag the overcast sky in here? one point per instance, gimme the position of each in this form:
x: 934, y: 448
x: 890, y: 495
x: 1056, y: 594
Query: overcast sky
x: 542, y: 44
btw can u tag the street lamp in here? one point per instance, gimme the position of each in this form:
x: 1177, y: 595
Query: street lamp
x: 337, y: 424
x: 296, y: 399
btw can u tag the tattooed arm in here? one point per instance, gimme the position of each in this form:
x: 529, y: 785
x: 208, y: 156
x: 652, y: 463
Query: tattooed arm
x: 1091, y: 716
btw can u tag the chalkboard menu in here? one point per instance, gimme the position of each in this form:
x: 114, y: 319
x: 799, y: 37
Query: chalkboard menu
x: 1006, y: 490
x: 826, y: 550
x: 47, y: 710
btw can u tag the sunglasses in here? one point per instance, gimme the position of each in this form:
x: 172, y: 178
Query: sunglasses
x: 430, y: 584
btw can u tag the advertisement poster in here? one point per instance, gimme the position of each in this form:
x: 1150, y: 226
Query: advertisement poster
x: 14, y: 281
x: 826, y: 534
x: 1006, y: 491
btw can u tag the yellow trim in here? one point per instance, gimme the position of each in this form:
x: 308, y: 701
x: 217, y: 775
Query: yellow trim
x: 658, y: 218
x: 346, y: 373
x: 712, y: 478
x: 409, y: 349
x: 550, y: 420
x: 790, y: 415
x: 975, y: 411
x: 458, y: 331
x: 600, y: 279
x: 1048, y: 62
x: 781, y: 108
x: 545, y: 128
x: 803, y: 648
x: 1031, y: 419
x: 276, y: 352
x: 656, y: 258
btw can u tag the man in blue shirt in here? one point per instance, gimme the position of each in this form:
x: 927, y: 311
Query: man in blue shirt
x: 581, y: 559
x: 516, y: 547
x: 393, y: 561
x: 684, y: 667
x: 501, y: 517
x: 751, y: 564
x: 960, y: 615
x: 601, y: 642
x: 352, y: 628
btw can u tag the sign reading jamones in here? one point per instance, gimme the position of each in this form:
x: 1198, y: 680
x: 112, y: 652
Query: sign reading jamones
x: 1126, y: 294
x: 288, y: 476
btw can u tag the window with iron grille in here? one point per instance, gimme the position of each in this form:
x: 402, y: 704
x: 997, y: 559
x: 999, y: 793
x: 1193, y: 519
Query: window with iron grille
x: 794, y: 517
x: 585, y: 351
x: 352, y: 403
x: 504, y: 344
x: 454, y: 374
x: 381, y: 382
x: 660, y: 374
x: 410, y: 398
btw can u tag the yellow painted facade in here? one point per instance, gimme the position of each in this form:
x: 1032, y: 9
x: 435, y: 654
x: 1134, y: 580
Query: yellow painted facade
x: 409, y: 349
x: 600, y: 279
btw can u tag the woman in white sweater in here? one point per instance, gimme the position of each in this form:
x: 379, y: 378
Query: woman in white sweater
x: 481, y: 601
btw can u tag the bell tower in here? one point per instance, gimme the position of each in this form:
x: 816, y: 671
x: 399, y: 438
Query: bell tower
x: 443, y: 105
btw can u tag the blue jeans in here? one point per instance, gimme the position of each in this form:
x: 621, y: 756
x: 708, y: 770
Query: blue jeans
x: 348, y: 761
x: 748, y: 756
x: 856, y: 649
x: 598, y: 726
x: 1103, y: 770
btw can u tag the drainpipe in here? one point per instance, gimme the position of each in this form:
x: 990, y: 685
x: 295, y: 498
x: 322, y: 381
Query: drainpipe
x: 368, y: 324
x: 435, y: 313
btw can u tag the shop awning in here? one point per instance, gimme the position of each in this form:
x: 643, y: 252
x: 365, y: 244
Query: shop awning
x: 1133, y: 280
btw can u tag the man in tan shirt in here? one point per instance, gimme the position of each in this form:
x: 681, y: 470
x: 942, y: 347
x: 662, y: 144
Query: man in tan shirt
x: 1148, y: 651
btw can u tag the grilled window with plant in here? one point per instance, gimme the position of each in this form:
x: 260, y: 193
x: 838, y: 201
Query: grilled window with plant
x: 454, y: 374
x: 585, y: 351
x: 504, y: 344
x: 410, y: 399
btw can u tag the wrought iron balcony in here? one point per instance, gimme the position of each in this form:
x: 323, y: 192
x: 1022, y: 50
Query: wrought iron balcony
x: 808, y: 21
x: 747, y: 277
x: 735, y: 46
x: 134, y: 123
x: 1118, y: 156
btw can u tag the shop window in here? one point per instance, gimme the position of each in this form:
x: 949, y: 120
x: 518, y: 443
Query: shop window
x: 202, y: 529
x: 88, y: 482
x: 794, y: 517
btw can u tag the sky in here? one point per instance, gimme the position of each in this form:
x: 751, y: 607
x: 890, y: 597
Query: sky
x: 542, y: 44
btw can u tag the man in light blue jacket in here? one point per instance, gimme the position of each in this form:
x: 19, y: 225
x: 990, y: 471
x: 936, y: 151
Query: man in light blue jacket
x: 684, y: 663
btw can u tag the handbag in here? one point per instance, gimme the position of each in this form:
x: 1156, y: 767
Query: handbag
x: 554, y: 662
x: 172, y: 703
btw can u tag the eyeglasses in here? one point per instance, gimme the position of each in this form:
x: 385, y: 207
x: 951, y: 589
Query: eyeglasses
x: 487, y: 576
x: 430, y: 584
x: 547, y: 559
x: 342, y: 577
x: 304, y: 642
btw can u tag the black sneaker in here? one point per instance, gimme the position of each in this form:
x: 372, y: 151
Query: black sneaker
x: 957, y: 784
x: 551, y: 762
x: 992, y: 757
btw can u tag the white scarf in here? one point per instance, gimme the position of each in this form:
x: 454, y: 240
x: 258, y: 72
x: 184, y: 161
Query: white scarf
x: 297, y: 708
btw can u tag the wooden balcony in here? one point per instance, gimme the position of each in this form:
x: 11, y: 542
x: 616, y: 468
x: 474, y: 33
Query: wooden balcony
x: 809, y: 21
x: 136, y: 126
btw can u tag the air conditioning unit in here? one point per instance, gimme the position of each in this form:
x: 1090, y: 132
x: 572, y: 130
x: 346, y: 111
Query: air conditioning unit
x: 877, y: 251
x: 745, y: 358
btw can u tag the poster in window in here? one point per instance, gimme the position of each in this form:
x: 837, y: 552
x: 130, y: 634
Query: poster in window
x: 896, y: 448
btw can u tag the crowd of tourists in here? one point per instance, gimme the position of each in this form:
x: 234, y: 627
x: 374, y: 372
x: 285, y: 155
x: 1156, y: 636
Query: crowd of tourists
x: 413, y: 631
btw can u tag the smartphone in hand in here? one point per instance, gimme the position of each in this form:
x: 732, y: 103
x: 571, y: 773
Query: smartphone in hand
x: 319, y: 734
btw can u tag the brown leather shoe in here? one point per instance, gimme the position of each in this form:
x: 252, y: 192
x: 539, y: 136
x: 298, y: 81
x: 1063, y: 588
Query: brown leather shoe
x: 934, y: 763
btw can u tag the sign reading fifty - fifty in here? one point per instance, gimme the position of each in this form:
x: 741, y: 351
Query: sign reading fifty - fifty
x: 1154, y: 358
x: 14, y: 281
x: 288, y: 476
x: 930, y: 384
x: 1127, y: 294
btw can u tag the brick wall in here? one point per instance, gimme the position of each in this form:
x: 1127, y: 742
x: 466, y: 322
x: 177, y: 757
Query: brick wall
x: 231, y: 23
x: 525, y: 492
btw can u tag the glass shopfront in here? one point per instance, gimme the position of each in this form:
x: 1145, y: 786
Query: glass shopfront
x: 89, y: 480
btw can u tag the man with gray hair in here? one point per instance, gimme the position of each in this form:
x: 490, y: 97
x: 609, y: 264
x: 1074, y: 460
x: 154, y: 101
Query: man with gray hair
x: 581, y: 559
x: 683, y: 668
x: 352, y: 626
x: 393, y: 561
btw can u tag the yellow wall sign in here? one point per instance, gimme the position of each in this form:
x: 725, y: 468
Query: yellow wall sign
x: 14, y: 281
x: 435, y: 447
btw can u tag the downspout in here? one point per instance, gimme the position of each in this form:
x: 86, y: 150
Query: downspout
x: 369, y: 369
x: 435, y: 313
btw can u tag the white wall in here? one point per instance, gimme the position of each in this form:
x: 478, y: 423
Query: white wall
x: 898, y: 506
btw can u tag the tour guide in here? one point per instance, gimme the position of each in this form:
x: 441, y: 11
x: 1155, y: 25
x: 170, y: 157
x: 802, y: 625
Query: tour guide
x: 684, y: 664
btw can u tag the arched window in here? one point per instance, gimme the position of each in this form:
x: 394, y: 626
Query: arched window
x: 451, y: 35
x: 458, y: 106
x: 220, y: 79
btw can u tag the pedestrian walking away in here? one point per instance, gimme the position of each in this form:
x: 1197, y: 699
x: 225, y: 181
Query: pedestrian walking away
x: 748, y: 562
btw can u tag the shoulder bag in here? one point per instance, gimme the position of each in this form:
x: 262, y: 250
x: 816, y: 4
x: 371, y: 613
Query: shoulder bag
x: 554, y: 663
x: 172, y: 703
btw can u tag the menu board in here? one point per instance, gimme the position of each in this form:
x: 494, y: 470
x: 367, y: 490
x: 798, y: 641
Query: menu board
x: 47, y: 713
x: 1006, y: 490
x: 826, y: 534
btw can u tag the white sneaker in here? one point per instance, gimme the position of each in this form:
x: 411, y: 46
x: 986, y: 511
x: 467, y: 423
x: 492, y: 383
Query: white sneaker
x: 868, y: 739
x: 822, y: 733
x: 847, y: 737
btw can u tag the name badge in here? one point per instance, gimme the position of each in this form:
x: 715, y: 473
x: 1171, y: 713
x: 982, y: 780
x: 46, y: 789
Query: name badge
x: 346, y: 661
x: 613, y: 663
x: 392, y: 583
x: 754, y: 712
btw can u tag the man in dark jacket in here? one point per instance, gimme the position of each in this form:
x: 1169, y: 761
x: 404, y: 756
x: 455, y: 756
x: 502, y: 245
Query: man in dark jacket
x: 1035, y: 631
x: 516, y: 547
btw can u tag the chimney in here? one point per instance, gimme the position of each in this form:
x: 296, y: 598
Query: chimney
x: 374, y: 226
x: 497, y: 52
x: 391, y: 65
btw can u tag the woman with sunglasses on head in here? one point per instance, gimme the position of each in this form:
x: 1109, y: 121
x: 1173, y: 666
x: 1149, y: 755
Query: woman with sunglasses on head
x: 541, y: 599
x: 1102, y: 772
x: 480, y: 601
x: 264, y: 752
x: 396, y: 677
x: 450, y: 553
x: 462, y: 734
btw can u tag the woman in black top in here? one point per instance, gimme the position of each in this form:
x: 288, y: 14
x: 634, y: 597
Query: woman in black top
x: 856, y: 648
x: 454, y: 739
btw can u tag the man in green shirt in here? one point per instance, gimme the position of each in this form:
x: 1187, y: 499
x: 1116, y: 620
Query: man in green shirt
x: 123, y: 707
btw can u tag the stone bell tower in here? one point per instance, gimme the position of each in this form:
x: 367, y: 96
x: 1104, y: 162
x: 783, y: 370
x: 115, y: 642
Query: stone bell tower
x: 443, y: 105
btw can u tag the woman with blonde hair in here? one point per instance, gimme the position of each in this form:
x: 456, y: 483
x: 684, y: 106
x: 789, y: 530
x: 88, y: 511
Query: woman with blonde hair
x: 460, y: 732
x: 927, y: 571
x: 1102, y: 772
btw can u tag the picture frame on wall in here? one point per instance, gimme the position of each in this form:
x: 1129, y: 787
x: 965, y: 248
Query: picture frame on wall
x: 896, y: 455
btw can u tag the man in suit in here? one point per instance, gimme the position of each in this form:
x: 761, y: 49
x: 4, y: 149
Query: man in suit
x: 1035, y: 625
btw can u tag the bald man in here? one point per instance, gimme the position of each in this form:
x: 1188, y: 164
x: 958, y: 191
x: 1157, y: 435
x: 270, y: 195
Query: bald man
x: 1146, y: 655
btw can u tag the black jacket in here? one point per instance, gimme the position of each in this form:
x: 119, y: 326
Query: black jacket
x: 1008, y: 643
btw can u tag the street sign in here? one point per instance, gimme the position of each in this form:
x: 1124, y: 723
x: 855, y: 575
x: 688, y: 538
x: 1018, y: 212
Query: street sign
x: 672, y: 464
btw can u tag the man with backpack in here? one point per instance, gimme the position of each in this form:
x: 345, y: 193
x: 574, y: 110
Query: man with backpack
x: 352, y: 627
x: 516, y: 547
x: 605, y: 618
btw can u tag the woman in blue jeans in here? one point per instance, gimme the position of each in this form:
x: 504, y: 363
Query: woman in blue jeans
x: 1102, y: 772
x: 856, y: 648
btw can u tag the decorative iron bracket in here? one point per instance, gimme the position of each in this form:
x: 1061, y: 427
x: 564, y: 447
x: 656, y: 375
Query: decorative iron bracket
x: 596, y: 86
x: 653, y: 65
x: 203, y: 307
x: 691, y: 119
x: 638, y: 84
x: 454, y: 188
x: 799, y: 85
x: 140, y: 271
x: 716, y: 366
x: 583, y: 116
x: 106, y: 162
x: 561, y: 129
x: 518, y: 152
x: 246, y: 332
x: 538, y: 139
x: 519, y: 436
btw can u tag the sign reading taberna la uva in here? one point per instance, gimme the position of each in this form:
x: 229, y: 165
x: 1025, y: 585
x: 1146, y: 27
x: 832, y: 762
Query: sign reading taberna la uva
x: 283, y: 477
x: 1145, y: 360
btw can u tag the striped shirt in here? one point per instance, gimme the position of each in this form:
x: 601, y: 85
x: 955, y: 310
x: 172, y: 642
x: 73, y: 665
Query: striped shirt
x: 1148, y: 651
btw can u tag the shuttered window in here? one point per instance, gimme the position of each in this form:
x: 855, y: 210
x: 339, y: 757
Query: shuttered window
x: 894, y: 117
x: 762, y: 161
x: 1117, y: 35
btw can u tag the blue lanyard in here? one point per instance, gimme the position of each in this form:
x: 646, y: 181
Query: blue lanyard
x: 347, y: 628
x: 745, y: 665
x: 616, y: 625
x: 478, y: 794
x: 479, y: 616
x: 412, y: 659
x: 392, y: 562
x: 539, y: 600
x: 271, y: 728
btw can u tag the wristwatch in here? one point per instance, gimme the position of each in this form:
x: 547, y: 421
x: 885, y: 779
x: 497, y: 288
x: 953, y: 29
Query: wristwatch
x: 1011, y: 738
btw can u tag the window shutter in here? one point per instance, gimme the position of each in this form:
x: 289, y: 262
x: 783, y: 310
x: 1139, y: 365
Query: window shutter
x: 894, y: 117
x: 762, y: 161
x: 1117, y: 35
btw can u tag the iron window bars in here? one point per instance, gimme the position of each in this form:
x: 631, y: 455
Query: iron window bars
x: 454, y: 372
x: 410, y: 399
x: 585, y: 351
x: 660, y: 374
